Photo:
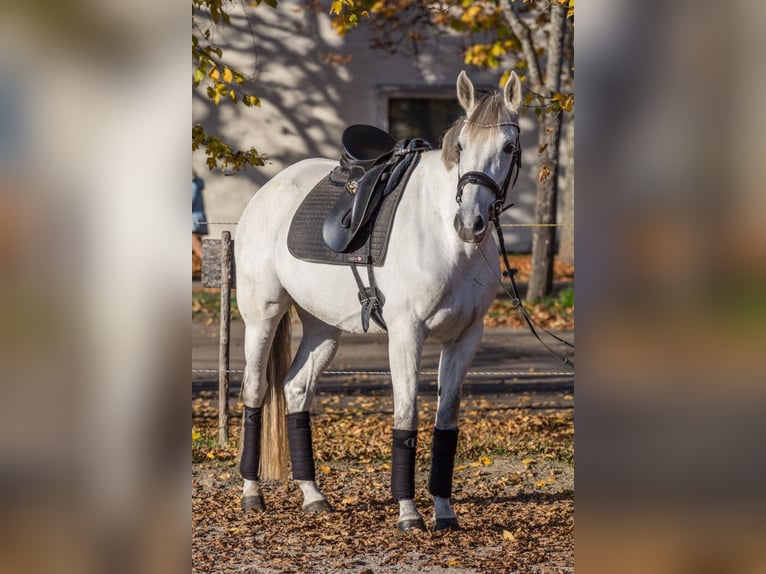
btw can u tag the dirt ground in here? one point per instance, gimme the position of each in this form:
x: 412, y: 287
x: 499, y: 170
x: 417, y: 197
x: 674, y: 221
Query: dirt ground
x: 514, y: 478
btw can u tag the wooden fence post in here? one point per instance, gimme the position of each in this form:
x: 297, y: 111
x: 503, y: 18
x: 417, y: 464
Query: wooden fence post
x: 223, y: 350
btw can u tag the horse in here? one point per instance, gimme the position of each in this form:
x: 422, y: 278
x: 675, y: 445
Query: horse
x: 439, y: 278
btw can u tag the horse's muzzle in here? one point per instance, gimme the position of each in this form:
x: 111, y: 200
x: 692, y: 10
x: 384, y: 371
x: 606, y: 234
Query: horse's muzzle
x: 471, y: 231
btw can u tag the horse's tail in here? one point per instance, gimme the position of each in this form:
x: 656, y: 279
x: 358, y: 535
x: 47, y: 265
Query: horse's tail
x: 274, y: 433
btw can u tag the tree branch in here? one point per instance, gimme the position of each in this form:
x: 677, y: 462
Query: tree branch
x: 555, y: 48
x: 524, y: 34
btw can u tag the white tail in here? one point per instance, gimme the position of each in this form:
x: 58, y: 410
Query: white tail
x: 273, y: 430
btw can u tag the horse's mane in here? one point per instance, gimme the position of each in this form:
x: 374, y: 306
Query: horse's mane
x: 488, y: 112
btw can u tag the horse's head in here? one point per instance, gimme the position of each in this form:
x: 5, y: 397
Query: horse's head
x: 485, y: 148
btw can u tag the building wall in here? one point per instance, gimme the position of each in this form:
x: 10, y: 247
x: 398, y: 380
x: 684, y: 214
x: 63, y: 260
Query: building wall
x: 306, y: 102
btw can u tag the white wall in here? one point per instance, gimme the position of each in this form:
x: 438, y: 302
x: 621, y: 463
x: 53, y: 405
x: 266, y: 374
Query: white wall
x: 307, y: 103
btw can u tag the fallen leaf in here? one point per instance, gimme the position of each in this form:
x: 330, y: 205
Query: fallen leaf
x: 508, y: 535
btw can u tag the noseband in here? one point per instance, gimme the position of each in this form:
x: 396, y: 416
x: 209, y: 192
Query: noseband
x: 480, y: 178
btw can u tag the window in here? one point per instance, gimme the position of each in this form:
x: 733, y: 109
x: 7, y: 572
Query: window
x: 418, y: 113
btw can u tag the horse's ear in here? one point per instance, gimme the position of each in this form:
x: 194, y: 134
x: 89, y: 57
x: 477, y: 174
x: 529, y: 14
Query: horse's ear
x: 465, y: 92
x: 512, y: 92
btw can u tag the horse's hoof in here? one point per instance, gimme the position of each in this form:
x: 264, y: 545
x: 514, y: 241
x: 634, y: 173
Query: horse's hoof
x: 317, y: 506
x: 410, y: 525
x: 254, y: 503
x: 446, y: 524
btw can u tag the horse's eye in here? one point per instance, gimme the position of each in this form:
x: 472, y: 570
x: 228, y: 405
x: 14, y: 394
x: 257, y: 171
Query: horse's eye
x: 509, y: 147
x: 459, y: 147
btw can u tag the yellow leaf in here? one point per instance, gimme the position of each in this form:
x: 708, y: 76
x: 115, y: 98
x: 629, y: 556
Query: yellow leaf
x: 210, y: 455
x: 508, y: 535
x: 541, y: 483
x: 196, y: 435
x: 227, y: 75
x: 453, y: 562
x: 471, y: 14
x: 461, y: 467
x: 497, y: 50
x: 485, y: 460
x: 350, y: 500
x: 225, y: 476
x: 528, y: 461
x: 324, y: 468
x: 214, y: 73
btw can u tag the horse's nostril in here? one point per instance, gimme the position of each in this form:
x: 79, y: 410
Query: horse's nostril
x: 457, y: 223
x: 478, y: 224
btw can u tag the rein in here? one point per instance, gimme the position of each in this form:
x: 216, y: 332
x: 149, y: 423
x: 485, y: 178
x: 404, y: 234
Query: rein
x: 516, y: 300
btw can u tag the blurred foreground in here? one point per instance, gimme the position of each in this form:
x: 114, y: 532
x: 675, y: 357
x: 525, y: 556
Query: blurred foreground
x: 94, y: 293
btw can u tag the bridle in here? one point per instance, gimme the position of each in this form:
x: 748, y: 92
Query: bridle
x: 480, y: 178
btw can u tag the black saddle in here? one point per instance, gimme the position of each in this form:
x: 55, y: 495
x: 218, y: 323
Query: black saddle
x: 347, y: 217
x: 365, y: 171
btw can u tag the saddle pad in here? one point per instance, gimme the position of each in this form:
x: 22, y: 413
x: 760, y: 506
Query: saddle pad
x: 305, y: 241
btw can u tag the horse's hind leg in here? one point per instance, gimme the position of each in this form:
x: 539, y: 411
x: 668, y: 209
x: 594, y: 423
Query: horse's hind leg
x: 316, y: 351
x: 262, y: 319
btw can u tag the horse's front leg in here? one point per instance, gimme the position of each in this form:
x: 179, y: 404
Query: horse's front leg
x: 405, y: 343
x: 456, y: 357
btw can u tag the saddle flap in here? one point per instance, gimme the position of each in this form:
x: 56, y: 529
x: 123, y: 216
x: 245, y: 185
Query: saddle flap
x: 352, y: 210
x: 365, y: 143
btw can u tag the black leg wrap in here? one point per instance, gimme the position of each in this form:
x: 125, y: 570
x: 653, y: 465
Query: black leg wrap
x: 403, y: 464
x: 301, y: 452
x: 251, y: 444
x: 443, y: 448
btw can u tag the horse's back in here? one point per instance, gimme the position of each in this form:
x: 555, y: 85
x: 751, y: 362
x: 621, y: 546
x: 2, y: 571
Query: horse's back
x: 268, y: 214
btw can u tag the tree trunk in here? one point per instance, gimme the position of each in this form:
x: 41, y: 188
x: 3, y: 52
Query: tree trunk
x: 566, y: 181
x: 544, y: 237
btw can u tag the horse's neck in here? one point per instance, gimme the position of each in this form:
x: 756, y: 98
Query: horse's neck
x: 439, y: 189
x: 439, y: 186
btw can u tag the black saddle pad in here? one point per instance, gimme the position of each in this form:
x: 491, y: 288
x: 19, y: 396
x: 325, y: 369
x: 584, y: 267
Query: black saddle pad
x: 305, y: 241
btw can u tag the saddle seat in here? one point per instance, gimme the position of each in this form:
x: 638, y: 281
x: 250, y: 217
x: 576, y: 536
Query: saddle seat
x: 364, y: 170
x: 363, y: 144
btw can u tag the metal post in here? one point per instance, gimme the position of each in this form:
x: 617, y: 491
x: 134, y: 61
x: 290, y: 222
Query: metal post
x: 223, y: 351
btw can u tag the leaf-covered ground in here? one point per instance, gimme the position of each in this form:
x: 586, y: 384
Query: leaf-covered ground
x: 513, y: 493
